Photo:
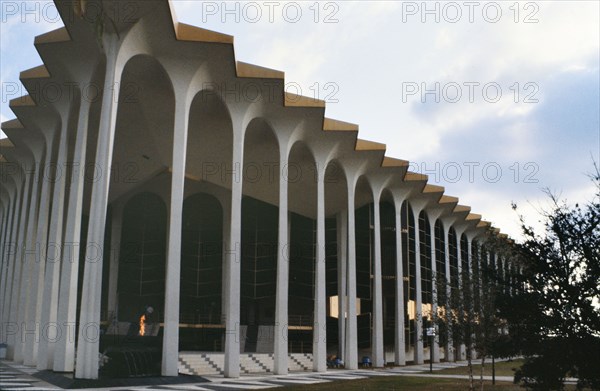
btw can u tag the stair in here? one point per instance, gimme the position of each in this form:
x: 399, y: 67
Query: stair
x: 256, y: 363
x: 300, y: 362
x: 209, y: 363
x: 196, y: 363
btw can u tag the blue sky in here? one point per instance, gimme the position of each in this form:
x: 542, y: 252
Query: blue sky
x: 531, y: 122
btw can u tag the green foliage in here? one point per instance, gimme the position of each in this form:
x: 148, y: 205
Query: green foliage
x: 554, y: 318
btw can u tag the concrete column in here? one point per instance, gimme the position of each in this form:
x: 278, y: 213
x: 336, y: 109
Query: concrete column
x: 280, y: 347
x: 520, y: 268
x: 226, y: 207
x: 9, y: 247
x: 9, y: 261
x: 89, y: 320
x: 418, y: 292
x: 26, y: 263
x: 20, y: 301
x: 471, y: 302
x: 488, y: 257
x: 434, y: 305
x: 351, y: 359
x: 53, y: 257
x: 511, y: 270
x: 5, y: 213
x: 320, y: 311
x: 17, y: 262
x: 377, y: 340
x: 480, y: 275
x: 4, y: 244
x: 116, y: 223
x: 470, y: 257
x: 170, y: 354
x: 504, y: 274
x: 11, y: 285
x: 400, y: 347
x: 233, y: 259
x: 6, y: 227
x: 497, y: 263
x: 64, y: 349
x: 342, y: 240
x: 37, y: 260
x: 462, y: 350
x: 4, y: 217
x: 450, y: 357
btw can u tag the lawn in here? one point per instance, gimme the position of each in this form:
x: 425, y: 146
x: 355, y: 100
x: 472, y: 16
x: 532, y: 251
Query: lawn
x: 391, y: 383
x: 401, y: 383
x: 503, y: 368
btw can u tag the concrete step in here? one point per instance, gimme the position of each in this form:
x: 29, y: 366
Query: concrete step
x: 208, y: 363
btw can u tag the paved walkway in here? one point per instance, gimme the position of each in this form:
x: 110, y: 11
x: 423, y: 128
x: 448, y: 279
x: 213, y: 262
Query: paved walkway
x: 19, y: 377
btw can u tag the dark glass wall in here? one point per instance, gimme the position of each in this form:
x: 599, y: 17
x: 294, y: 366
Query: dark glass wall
x: 142, y: 256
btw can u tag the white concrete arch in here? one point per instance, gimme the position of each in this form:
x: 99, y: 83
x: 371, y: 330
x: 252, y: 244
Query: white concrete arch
x: 118, y: 51
x: 209, y: 152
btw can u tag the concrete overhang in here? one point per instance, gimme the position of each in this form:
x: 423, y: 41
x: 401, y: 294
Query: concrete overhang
x: 444, y: 207
x: 244, y: 69
x: 334, y: 125
x: 60, y: 35
x: 23, y: 138
x: 6, y: 143
x: 484, y: 224
x: 460, y: 214
x: 38, y: 119
x: 300, y: 101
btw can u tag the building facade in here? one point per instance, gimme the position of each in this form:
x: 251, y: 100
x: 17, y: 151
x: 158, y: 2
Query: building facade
x: 152, y: 186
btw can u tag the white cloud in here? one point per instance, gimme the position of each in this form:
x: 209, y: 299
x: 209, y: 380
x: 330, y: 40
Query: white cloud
x: 2, y: 120
x: 370, y: 52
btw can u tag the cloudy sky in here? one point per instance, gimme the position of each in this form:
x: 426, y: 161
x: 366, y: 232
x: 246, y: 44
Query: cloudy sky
x: 493, y: 100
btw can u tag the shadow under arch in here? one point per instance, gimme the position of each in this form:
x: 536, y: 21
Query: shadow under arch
x: 365, y: 264
x: 388, y: 269
x: 210, y: 140
x: 302, y: 188
x: 336, y: 202
x: 426, y: 279
x: 259, y: 237
x: 143, y: 145
x: 409, y: 266
x: 201, y: 273
x: 454, y: 286
x: 439, y: 284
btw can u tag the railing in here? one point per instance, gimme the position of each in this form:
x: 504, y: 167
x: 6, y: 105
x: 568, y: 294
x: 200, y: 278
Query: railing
x: 389, y: 323
x: 300, y: 347
x: 107, y: 317
x: 300, y: 320
x: 198, y: 318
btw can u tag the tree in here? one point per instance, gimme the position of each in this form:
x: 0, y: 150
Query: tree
x: 554, y: 315
x: 472, y: 320
x: 490, y: 340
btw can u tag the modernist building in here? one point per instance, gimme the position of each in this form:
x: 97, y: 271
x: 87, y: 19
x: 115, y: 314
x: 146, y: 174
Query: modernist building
x: 149, y: 168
